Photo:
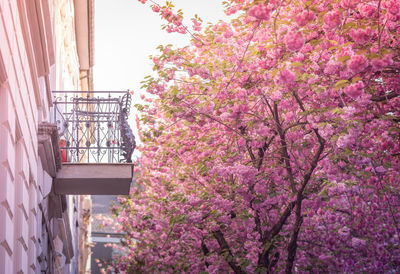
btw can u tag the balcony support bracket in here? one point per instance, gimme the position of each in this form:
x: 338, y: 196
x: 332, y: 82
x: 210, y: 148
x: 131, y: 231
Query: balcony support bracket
x: 48, y: 146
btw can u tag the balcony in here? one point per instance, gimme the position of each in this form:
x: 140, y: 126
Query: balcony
x: 96, y: 142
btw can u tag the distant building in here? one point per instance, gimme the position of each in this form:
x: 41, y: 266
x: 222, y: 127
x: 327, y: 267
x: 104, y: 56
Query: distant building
x: 103, y: 237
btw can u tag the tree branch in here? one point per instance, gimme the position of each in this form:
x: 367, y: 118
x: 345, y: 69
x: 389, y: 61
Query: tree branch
x: 292, y: 247
x: 261, y: 151
x: 205, y: 251
x: 219, y: 236
x: 263, y: 258
x: 284, y: 151
x: 384, y: 97
x: 282, y: 220
x: 244, y: 54
x: 253, y: 158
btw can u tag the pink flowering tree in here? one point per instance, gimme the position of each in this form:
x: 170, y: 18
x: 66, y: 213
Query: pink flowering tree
x: 271, y: 143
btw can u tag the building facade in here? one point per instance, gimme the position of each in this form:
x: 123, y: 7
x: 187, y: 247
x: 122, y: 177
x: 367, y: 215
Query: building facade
x: 39, y: 53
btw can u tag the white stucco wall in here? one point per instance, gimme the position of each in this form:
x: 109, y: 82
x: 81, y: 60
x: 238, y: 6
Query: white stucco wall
x: 26, y: 77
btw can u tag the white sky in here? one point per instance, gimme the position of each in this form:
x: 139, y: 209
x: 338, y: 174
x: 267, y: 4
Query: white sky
x: 127, y: 32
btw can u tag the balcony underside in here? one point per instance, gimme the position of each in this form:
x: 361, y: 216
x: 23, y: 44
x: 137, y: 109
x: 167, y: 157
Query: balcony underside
x: 94, y: 179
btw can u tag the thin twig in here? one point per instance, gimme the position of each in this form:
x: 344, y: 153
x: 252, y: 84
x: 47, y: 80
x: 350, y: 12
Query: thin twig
x: 244, y: 54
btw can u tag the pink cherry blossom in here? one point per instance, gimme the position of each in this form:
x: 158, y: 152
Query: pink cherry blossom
x: 155, y: 8
x: 332, y: 19
x: 361, y: 36
x: 294, y: 41
x: 357, y: 63
x: 349, y: 4
x: 380, y: 169
x: 354, y: 90
x: 358, y: 243
x: 332, y: 67
x: 305, y: 17
x: 285, y: 77
x: 393, y: 6
x: 367, y: 10
x: 261, y: 12
x: 196, y: 25
x: 344, y: 231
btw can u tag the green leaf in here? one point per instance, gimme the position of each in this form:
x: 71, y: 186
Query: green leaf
x: 373, y: 55
x: 344, y: 58
x: 337, y: 111
x: 386, y: 51
x: 340, y: 84
x: 324, y: 192
x: 139, y: 107
x: 274, y: 72
x: 332, y: 48
x: 350, y: 25
x: 297, y: 64
x: 362, y: 52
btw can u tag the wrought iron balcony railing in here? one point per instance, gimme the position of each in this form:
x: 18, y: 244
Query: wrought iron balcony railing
x: 93, y: 126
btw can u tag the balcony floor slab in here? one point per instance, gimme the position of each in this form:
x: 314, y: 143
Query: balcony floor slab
x: 94, y: 179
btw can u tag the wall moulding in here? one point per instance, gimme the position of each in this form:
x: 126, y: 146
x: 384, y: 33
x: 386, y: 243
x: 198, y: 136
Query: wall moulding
x: 3, y: 74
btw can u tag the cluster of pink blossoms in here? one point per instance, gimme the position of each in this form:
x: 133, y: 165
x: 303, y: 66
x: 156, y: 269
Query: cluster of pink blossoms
x: 332, y: 67
x: 261, y: 12
x: 155, y: 8
x: 304, y: 17
x: 354, y: 90
x: 361, y: 36
x: 196, y: 25
x: 357, y: 63
x: 367, y: 10
x: 285, y: 77
x: 392, y: 6
x: 349, y: 4
x: 332, y: 19
x: 378, y: 64
x: 294, y: 41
